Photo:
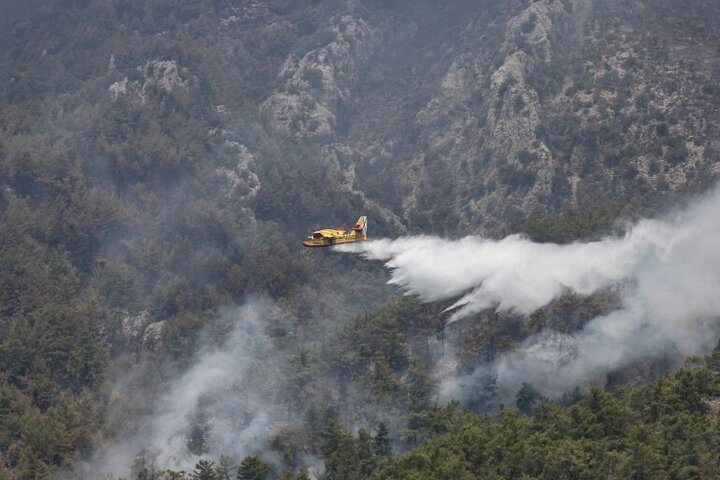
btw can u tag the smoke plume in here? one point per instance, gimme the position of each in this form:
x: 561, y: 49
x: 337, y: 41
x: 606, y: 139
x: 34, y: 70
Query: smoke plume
x: 668, y: 270
x: 228, y: 389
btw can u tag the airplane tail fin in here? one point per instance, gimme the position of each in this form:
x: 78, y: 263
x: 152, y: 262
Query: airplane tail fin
x: 360, y: 227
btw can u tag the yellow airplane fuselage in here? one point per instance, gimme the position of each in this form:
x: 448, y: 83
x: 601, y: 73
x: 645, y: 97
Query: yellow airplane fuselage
x: 335, y: 239
x: 328, y: 237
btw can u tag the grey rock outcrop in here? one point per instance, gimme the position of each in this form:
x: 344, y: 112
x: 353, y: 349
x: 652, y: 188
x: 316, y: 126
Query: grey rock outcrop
x: 132, y: 326
x: 317, y: 84
x: 156, y: 75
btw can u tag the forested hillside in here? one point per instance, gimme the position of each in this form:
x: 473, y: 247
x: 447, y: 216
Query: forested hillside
x: 161, y: 162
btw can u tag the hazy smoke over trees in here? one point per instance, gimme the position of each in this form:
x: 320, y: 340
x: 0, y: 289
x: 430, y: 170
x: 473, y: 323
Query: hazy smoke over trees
x: 668, y: 270
x: 222, y: 404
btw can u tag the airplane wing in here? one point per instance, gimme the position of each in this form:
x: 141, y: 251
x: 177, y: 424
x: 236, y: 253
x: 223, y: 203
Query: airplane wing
x: 326, y: 233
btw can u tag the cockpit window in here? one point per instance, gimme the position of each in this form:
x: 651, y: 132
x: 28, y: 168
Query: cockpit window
x: 317, y: 235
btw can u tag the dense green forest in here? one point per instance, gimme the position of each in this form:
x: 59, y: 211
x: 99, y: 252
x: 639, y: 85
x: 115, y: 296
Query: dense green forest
x: 160, y: 163
x: 667, y: 429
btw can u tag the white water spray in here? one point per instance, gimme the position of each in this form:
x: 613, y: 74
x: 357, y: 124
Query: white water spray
x: 669, y: 269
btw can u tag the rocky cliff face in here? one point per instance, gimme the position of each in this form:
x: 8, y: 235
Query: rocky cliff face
x: 322, y: 81
x: 460, y: 117
x: 466, y: 118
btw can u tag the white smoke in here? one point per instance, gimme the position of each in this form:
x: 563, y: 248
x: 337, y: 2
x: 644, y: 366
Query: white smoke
x: 229, y: 387
x: 669, y: 271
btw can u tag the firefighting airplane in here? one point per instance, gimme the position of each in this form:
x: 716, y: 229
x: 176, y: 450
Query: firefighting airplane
x: 336, y: 236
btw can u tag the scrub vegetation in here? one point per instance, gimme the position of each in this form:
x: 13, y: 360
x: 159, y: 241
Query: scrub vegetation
x: 161, y: 161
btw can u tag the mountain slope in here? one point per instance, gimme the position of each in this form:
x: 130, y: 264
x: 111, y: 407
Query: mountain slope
x: 160, y: 162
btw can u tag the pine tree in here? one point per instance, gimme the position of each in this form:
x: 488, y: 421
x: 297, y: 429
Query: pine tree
x: 174, y: 475
x: 303, y: 474
x: 713, y: 360
x: 526, y: 398
x: 204, y: 470
x: 253, y: 468
x: 382, y: 440
x: 143, y: 467
x: 224, y: 468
